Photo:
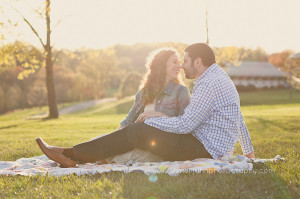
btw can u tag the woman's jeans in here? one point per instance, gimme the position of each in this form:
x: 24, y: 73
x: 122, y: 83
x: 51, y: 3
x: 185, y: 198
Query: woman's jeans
x: 169, y: 146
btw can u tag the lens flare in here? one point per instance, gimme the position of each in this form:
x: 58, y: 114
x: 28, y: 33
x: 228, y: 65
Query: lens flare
x: 153, y: 178
x: 153, y: 143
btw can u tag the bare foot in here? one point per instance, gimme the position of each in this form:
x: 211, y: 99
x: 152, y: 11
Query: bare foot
x: 54, y: 155
x: 54, y: 148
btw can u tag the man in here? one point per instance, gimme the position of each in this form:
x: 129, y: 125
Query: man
x: 214, y: 115
x: 210, y: 127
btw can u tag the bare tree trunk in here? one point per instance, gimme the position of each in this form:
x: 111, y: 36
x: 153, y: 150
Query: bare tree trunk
x: 53, y: 111
x: 207, y: 39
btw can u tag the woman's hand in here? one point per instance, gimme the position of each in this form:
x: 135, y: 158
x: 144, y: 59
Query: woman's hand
x: 143, y: 116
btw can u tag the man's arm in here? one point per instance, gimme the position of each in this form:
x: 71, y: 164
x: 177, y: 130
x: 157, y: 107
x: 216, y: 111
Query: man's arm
x: 196, y: 112
x: 245, y: 140
x: 149, y: 114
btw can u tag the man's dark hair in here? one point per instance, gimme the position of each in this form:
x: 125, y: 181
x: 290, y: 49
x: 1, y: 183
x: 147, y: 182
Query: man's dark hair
x: 203, y: 51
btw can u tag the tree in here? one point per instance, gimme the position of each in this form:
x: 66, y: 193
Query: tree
x: 206, y: 22
x: 13, y: 96
x: 293, y: 70
x: 130, y: 84
x: 228, y: 55
x: 37, y: 94
x: 2, y: 101
x: 98, y: 66
x: 233, y: 55
x: 257, y: 54
x: 290, y: 64
x: 280, y: 59
x: 28, y: 58
x: 19, y: 63
x: 53, y: 111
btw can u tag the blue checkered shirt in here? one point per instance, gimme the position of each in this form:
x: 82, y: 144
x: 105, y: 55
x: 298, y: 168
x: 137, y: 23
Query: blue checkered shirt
x: 213, y: 116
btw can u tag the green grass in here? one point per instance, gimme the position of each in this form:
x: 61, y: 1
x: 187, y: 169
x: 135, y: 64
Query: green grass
x: 272, y: 119
x: 269, y: 97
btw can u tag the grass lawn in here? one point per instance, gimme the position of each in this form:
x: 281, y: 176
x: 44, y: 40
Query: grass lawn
x: 272, y: 119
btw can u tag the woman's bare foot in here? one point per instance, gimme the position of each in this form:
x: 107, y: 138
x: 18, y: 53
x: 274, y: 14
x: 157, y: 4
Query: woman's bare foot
x: 54, y: 154
x: 54, y: 148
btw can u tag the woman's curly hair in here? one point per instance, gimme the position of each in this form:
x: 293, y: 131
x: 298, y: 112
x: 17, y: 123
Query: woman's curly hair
x: 153, y: 84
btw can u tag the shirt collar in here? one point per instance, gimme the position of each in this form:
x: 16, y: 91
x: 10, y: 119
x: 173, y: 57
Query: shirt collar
x: 210, y: 70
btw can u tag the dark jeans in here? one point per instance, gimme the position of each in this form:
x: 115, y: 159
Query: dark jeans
x: 169, y: 146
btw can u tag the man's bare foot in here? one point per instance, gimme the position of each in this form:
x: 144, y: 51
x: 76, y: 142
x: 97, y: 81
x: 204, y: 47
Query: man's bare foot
x: 55, y: 155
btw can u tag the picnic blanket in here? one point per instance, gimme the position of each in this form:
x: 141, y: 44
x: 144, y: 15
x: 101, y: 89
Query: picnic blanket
x: 42, y: 165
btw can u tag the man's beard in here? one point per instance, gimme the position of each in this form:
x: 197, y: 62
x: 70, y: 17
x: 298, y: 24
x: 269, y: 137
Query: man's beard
x: 190, y: 73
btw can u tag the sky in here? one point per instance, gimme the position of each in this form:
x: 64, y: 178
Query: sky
x: 270, y: 24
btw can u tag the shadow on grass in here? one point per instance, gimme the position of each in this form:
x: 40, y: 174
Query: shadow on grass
x: 40, y: 118
x: 10, y: 126
x: 266, y: 123
x: 279, y: 182
x: 262, y: 182
x: 24, y: 123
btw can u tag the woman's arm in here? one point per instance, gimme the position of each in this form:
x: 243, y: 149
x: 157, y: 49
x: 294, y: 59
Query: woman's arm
x: 183, y: 101
x: 132, y: 112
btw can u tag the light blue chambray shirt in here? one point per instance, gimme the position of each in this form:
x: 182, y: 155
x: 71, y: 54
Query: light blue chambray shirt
x: 213, y: 116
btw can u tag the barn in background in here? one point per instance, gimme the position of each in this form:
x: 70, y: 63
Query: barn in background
x: 257, y: 75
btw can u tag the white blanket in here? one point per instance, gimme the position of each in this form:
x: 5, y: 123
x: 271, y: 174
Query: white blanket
x: 42, y: 165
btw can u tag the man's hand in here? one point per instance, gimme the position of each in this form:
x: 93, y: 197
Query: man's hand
x: 250, y: 155
x: 143, y: 116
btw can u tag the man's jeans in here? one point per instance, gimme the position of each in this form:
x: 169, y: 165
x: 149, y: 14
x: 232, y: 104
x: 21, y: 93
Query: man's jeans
x: 169, y: 146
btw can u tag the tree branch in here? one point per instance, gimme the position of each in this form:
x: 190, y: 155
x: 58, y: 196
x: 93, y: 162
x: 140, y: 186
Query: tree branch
x: 31, y: 27
x: 59, y: 21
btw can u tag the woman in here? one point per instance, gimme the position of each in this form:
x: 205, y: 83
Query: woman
x: 160, y: 94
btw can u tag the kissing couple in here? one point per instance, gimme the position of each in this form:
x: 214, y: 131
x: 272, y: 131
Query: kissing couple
x: 165, y: 122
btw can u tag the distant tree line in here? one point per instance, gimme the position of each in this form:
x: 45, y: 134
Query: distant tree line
x: 86, y: 74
